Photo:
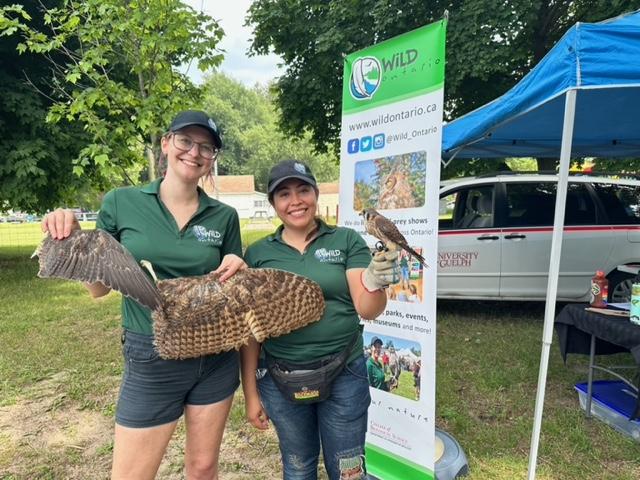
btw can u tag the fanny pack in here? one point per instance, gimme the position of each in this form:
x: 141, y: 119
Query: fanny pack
x: 308, y: 382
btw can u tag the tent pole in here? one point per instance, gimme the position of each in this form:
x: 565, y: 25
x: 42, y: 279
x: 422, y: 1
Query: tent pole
x: 554, y: 269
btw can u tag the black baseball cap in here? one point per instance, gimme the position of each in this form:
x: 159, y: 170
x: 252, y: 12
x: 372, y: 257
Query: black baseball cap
x: 289, y: 169
x: 375, y: 340
x: 188, y: 118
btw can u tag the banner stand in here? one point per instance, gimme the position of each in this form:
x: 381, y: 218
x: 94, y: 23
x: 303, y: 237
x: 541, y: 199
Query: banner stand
x: 391, y: 140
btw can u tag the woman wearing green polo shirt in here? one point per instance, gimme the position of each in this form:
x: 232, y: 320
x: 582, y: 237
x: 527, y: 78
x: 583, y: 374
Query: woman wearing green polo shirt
x: 174, y: 225
x: 339, y: 260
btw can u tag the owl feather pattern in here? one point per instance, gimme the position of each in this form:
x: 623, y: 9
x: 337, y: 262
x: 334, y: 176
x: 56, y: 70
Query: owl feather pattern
x: 192, y: 316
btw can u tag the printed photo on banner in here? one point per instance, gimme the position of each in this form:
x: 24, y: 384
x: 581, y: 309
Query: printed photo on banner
x: 409, y: 287
x: 391, y: 182
x: 393, y: 364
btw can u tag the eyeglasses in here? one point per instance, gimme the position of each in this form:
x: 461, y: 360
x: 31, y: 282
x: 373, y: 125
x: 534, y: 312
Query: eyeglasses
x: 185, y: 144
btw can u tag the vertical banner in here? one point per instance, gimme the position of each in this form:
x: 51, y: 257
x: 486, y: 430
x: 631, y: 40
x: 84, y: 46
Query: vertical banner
x: 390, y: 161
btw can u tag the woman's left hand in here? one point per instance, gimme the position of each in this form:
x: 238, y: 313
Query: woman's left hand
x: 230, y: 265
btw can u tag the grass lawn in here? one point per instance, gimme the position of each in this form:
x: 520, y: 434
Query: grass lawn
x: 60, y: 363
x: 405, y: 386
x: 30, y: 234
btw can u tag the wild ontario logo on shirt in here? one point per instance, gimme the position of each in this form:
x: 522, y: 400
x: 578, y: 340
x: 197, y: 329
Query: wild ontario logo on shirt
x: 208, y: 236
x: 329, y: 256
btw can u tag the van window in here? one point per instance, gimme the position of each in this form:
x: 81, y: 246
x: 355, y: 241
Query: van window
x: 445, y: 211
x: 530, y: 204
x: 580, y: 209
x: 621, y: 202
x: 533, y: 205
x: 467, y: 208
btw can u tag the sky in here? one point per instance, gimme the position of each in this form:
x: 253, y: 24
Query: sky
x: 236, y: 41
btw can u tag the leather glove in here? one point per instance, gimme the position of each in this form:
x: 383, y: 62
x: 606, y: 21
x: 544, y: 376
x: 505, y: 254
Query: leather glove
x: 382, y: 271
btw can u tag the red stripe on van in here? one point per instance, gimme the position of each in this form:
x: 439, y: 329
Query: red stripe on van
x: 590, y: 228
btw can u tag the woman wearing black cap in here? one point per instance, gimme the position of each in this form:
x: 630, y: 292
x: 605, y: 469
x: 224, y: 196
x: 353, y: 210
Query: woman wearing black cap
x: 314, y: 388
x: 174, y: 225
x: 375, y: 366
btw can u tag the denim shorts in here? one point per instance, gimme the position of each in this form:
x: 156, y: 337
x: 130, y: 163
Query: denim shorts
x: 155, y: 391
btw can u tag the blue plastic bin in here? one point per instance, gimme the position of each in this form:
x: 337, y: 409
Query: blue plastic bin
x: 612, y: 402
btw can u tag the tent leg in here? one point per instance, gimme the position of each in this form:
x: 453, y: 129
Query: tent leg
x: 592, y: 356
x: 554, y: 269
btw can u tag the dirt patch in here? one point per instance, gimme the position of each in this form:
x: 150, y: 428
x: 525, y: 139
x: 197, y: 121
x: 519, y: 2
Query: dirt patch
x: 46, y: 435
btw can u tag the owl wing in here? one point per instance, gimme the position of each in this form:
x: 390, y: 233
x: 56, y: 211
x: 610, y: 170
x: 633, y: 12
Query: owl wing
x: 202, y: 316
x: 95, y: 256
x: 282, y: 301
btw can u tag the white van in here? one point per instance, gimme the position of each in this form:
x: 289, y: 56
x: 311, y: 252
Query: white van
x: 495, y: 236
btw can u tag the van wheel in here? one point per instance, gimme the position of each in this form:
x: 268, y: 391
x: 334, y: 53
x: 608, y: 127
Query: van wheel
x: 620, y: 287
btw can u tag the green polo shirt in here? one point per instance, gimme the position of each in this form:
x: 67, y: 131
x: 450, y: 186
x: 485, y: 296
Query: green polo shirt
x: 375, y: 372
x: 139, y: 220
x: 325, y: 261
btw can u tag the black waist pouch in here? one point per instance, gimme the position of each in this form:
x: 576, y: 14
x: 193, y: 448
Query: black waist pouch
x: 308, y: 382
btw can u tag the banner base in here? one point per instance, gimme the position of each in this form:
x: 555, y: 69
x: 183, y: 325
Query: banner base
x: 451, y: 462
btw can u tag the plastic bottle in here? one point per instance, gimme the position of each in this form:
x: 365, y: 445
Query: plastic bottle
x: 599, y: 290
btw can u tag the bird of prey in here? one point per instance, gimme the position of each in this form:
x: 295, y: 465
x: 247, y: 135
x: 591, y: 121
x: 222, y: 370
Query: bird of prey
x: 192, y: 316
x: 396, y: 192
x: 386, y: 231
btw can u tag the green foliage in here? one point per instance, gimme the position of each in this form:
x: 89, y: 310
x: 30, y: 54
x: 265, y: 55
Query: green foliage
x: 491, y: 45
x: 252, y: 141
x: 35, y: 173
x: 618, y: 165
x: 114, y: 72
x: 474, y: 167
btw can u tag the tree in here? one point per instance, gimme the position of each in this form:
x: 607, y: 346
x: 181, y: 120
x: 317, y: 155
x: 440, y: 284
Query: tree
x: 252, y: 141
x: 491, y: 45
x: 35, y: 167
x: 114, y: 70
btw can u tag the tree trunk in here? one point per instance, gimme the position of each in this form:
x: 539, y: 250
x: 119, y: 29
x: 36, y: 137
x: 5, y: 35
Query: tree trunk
x: 149, y: 151
x: 548, y: 164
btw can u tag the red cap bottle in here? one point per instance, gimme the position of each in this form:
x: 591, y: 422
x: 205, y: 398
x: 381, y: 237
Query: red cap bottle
x: 599, y: 290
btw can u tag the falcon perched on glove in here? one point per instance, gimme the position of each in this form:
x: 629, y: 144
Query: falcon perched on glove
x: 386, y: 231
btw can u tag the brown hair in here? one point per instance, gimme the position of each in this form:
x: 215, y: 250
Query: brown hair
x: 161, y: 166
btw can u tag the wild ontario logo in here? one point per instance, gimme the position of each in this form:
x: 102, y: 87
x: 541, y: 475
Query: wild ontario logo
x: 328, y: 256
x: 366, y: 74
x: 208, y: 236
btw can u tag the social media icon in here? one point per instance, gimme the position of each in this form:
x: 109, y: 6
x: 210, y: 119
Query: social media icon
x: 352, y: 145
x: 365, y: 144
x: 378, y: 141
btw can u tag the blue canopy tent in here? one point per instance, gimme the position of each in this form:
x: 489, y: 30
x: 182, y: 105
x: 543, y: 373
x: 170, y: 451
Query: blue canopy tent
x: 582, y: 99
x: 600, y: 62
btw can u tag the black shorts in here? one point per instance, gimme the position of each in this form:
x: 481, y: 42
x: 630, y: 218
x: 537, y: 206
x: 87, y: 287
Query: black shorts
x: 155, y: 391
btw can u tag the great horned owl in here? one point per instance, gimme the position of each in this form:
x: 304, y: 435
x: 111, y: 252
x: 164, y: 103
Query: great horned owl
x: 192, y: 316
x: 396, y: 192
